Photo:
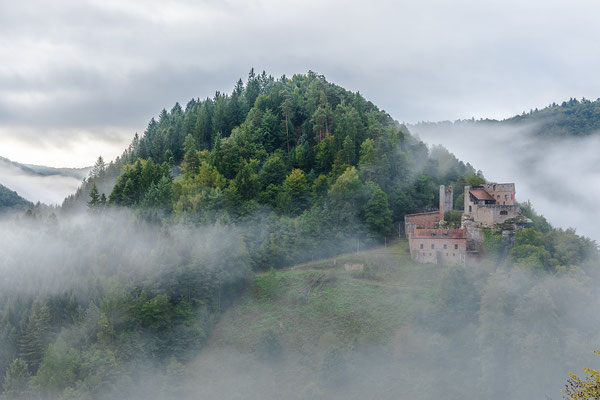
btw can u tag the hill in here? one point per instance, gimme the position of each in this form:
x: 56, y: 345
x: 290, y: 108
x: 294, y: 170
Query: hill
x: 315, y: 166
x: 11, y: 199
x: 176, y: 281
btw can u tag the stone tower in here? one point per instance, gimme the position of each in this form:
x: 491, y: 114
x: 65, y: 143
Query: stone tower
x: 446, y: 200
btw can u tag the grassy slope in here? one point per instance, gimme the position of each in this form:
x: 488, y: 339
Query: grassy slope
x: 305, y: 302
x: 313, y: 308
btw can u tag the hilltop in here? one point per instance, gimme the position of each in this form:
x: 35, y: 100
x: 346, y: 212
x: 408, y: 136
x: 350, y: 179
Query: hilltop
x: 317, y: 167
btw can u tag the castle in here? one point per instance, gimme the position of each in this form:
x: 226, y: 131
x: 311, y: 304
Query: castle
x: 433, y: 240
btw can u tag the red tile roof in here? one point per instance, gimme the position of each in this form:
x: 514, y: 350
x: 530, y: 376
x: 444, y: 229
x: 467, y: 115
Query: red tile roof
x: 439, y: 234
x: 481, y: 194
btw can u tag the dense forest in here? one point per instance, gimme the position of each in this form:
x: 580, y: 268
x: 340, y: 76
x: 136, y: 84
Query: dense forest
x: 132, y: 273
x: 316, y: 167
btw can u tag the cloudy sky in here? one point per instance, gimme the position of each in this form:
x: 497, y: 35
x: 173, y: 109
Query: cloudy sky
x: 78, y: 78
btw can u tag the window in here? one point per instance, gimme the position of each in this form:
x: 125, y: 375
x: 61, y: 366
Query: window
x: 470, y: 208
x: 432, y: 246
x: 455, y: 247
x: 421, y: 245
x: 505, y: 197
x: 453, y: 254
x: 498, y: 197
x: 503, y: 212
x: 445, y: 246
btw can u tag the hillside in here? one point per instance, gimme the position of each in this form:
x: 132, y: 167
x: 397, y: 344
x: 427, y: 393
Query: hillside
x: 397, y: 330
x: 570, y: 118
x: 11, y: 199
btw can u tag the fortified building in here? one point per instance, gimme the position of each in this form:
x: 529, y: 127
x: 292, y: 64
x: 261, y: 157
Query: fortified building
x: 433, y: 240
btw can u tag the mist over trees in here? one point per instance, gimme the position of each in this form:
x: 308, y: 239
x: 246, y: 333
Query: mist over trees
x: 118, y: 292
x: 126, y: 297
x: 287, y: 154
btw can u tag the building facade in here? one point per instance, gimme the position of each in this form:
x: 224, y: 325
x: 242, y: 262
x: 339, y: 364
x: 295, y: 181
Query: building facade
x: 438, y: 246
x: 490, y: 204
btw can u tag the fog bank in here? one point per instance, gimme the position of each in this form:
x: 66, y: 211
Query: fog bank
x: 48, y: 189
x: 560, y: 176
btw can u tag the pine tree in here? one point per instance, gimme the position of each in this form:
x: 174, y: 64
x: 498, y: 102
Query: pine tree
x: 36, y: 335
x: 94, y: 197
x: 98, y: 168
x: 192, y: 162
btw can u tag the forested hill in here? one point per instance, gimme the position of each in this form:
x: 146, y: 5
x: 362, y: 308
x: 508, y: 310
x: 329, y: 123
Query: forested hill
x: 11, y: 199
x: 315, y: 166
x: 570, y: 118
x: 117, y: 300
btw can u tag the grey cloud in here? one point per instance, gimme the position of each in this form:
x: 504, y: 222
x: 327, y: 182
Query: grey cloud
x: 94, y: 65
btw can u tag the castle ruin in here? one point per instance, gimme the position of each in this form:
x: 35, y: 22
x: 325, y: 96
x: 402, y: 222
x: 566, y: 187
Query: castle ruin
x: 432, y: 240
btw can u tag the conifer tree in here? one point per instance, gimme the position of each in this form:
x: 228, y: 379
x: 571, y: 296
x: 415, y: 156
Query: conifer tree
x: 36, y: 336
x: 94, y: 197
x: 192, y: 162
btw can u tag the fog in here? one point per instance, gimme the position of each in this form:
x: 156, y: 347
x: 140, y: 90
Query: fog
x: 48, y: 189
x: 560, y: 176
x: 481, y: 332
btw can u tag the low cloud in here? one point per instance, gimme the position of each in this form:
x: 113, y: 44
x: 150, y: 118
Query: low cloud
x: 558, y: 175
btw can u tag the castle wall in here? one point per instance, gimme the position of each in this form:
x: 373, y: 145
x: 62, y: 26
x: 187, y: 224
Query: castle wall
x: 491, y: 214
x: 438, y: 246
x: 504, y: 193
x: 468, y: 204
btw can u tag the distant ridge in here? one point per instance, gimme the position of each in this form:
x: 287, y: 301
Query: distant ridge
x: 571, y: 118
x: 40, y: 170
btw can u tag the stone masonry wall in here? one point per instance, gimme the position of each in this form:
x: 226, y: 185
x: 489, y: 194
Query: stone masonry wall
x: 438, y: 251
